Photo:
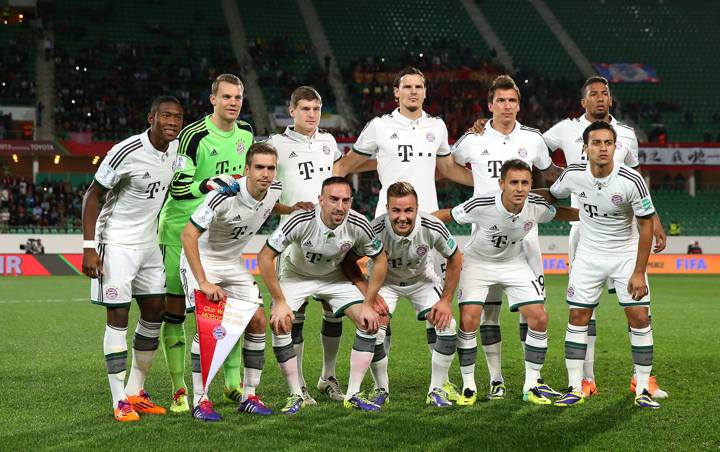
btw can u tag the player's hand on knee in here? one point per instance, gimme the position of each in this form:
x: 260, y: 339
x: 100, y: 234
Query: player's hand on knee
x: 440, y: 315
x: 223, y: 183
x: 478, y: 126
x: 637, y: 287
x: 91, y: 265
x: 281, y: 318
x: 380, y: 306
x: 369, y: 319
x: 212, y: 292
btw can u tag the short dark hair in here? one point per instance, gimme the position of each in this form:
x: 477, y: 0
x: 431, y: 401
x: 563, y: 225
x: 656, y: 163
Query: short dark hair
x: 227, y: 78
x: 164, y: 100
x: 335, y: 180
x: 260, y: 148
x: 304, y: 93
x: 407, y: 71
x: 400, y: 190
x: 502, y: 82
x: 514, y: 164
x: 598, y: 125
x: 590, y: 81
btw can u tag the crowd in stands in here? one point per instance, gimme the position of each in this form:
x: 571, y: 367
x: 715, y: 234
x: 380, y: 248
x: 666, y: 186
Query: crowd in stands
x: 106, y: 88
x: 45, y: 204
x: 17, y: 82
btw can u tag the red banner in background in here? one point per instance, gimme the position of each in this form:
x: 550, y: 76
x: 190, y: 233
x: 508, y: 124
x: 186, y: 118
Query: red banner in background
x: 21, y: 265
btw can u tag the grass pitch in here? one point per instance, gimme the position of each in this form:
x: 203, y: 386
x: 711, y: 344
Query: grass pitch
x: 55, y: 392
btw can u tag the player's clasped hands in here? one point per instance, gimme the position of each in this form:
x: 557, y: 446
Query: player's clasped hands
x: 637, y: 286
x: 369, y: 318
x: 380, y: 306
x: 91, y: 265
x: 211, y: 291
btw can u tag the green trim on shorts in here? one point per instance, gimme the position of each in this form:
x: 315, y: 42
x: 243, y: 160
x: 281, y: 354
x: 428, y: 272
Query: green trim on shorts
x: 190, y: 310
x: 516, y: 306
x: 112, y: 305
x: 421, y: 315
x: 148, y: 295
x: 341, y: 312
x: 612, y: 291
x: 482, y: 303
x: 581, y: 305
x: 637, y: 303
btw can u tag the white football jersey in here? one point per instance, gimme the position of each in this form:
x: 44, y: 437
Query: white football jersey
x: 498, y: 234
x: 405, y: 151
x: 607, y: 207
x: 230, y: 221
x: 304, y: 163
x: 314, y: 250
x: 408, y: 260
x: 486, y: 153
x: 137, y: 176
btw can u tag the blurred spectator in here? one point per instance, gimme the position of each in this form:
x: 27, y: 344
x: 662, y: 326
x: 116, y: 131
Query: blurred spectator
x: 694, y: 248
x: 674, y: 228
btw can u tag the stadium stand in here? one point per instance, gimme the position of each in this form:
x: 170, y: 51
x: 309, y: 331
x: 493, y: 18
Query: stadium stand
x: 678, y: 39
x: 17, y: 64
x: 105, y: 77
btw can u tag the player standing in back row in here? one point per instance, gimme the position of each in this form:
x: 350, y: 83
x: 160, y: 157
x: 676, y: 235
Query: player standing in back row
x: 567, y: 135
x: 121, y: 254
x: 210, y: 150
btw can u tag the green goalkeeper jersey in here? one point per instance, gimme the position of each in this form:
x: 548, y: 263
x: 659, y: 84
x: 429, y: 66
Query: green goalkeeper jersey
x: 204, y: 151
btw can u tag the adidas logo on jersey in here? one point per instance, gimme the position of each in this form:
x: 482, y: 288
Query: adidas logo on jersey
x: 237, y: 218
x: 394, y: 136
x: 494, y: 228
x: 292, y: 155
x: 485, y: 152
x: 147, y: 175
x: 213, y: 152
x: 582, y: 195
x: 308, y: 243
x: 579, y: 140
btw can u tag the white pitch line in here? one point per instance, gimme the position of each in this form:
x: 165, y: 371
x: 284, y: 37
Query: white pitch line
x: 64, y: 300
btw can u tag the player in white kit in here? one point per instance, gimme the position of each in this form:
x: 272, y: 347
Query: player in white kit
x: 211, y: 261
x: 121, y: 252
x: 504, y: 138
x: 322, y: 238
x: 306, y: 155
x: 610, y: 195
x: 409, y: 146
x: 494, y: 261
x: 567, y: 136
x: 408, y: 236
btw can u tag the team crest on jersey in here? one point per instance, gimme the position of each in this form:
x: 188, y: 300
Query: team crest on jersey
x: 267, y: 212
x: 528, y: 225
x: 345, y: 247
x: 570, y: 292
x: 179, y: 163
x: 240, y: 148
x: 522, y: 152
x: 111, y: 293
x: 326, y: 149
x: 219, y: 332
x: 618, y: 145
x: 617, y: 199
x: 421, y: 250
x: 430, y: 137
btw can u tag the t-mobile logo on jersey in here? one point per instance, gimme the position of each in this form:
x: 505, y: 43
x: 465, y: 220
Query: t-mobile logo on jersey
x: 405, y: 151
x: 306, y: 169
x: 494, y: 168
x: 591, y: 210
x: 152, y: 188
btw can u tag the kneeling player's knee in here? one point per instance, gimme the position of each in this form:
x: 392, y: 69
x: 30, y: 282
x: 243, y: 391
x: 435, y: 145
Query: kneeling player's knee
x: 118, y: 317
x: 580, y: 316
x: 175, y: 305
x: 638, y: 317
x: 538, y: 321
x: 470, y: 318
x: 258, y: 322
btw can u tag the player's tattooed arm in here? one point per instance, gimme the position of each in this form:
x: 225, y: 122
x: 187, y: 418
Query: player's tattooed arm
x: 447, y: 168
x: 564, y: 213
x: 91, y: 265
x: 281, y: 316
x: 637, y: 286
x: 545, y: 193
x: 282, y: 209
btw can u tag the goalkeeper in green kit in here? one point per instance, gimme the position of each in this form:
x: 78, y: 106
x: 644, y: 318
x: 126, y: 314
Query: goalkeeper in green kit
x: 211, y: 150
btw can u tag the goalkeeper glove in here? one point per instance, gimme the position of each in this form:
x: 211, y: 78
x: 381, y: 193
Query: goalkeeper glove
x: 223, y: 183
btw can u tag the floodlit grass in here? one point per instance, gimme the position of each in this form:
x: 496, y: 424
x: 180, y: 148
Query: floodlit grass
x: 55, y: 392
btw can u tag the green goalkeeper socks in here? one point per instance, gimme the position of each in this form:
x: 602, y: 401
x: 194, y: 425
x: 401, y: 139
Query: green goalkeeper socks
x: 172, y: 335
x: 231, y: 367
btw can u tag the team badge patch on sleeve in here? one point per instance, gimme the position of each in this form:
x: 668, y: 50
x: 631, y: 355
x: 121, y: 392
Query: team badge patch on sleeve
x: 179, y: 163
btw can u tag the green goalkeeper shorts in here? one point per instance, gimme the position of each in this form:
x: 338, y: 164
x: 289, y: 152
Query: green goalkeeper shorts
x: 171, y: 260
